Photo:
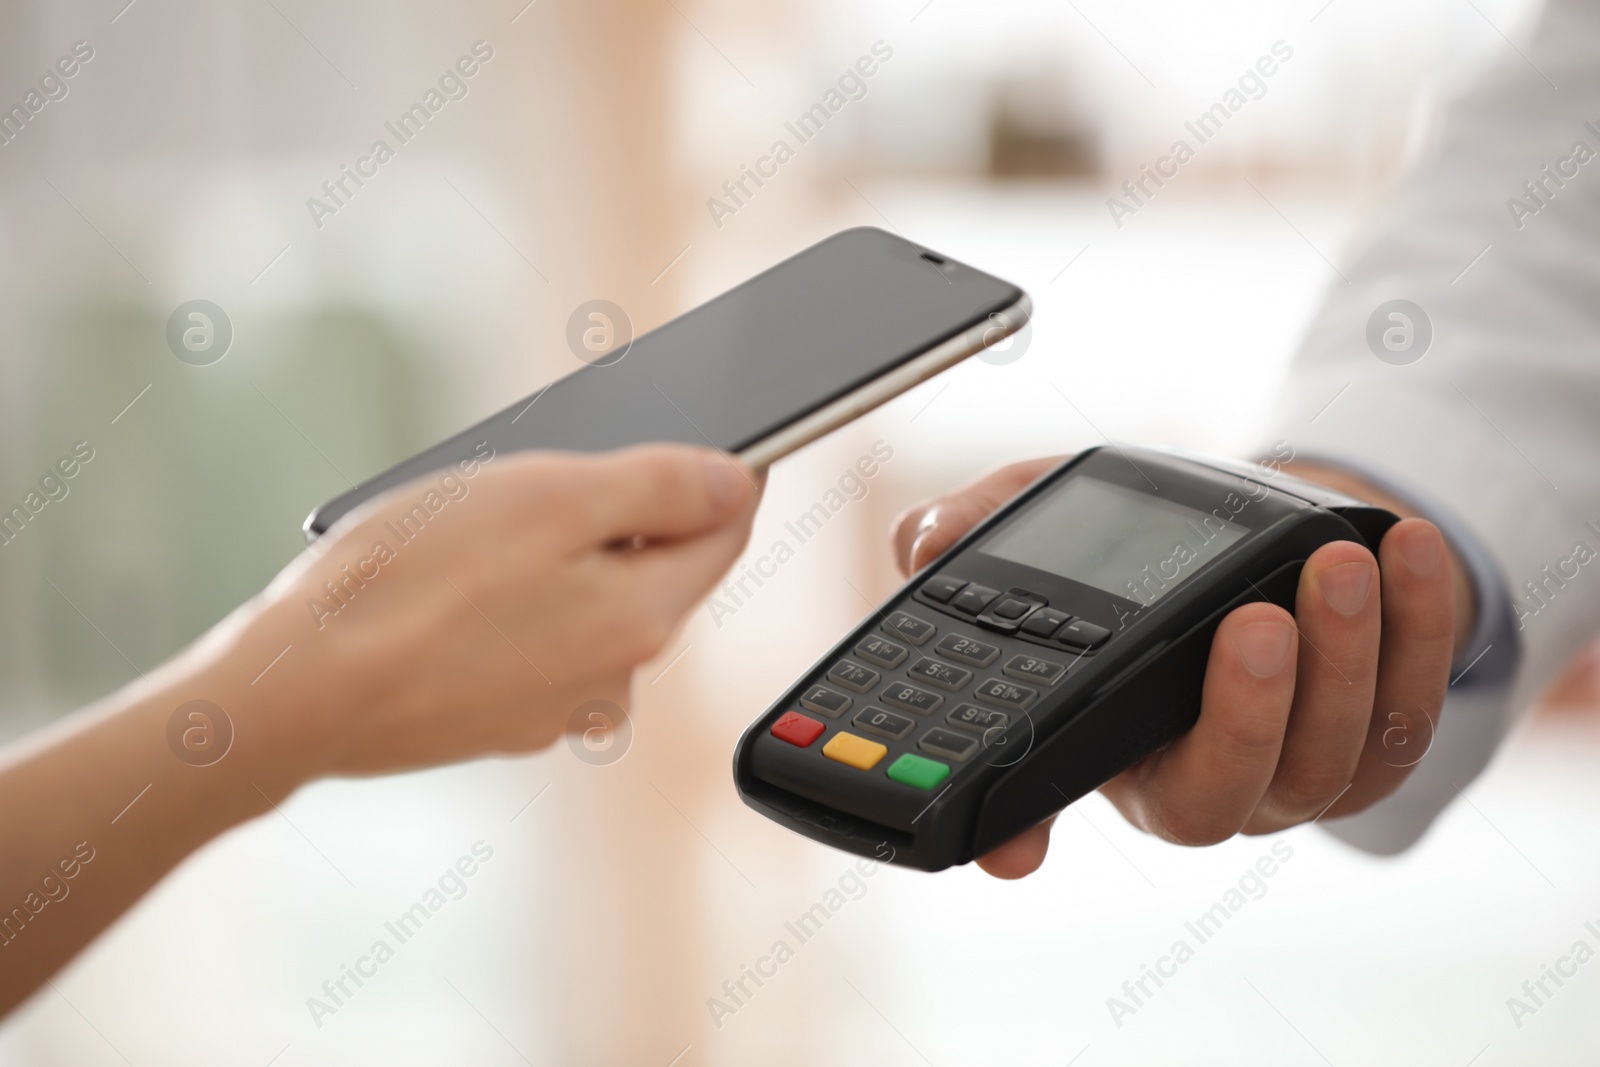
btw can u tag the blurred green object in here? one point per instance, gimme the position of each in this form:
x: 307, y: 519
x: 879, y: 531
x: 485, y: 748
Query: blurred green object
x: 196, y: 493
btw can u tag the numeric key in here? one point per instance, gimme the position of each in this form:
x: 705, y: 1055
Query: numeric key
x: 853, y: 676
x: 1006, y: 694
x: 965, y: 649
x: 880, y: 650
x: 1034, y: 669
x: 981, y: 720
x: 909, y: 628
x: 911, y: 698
x: 942, y: 675
x: 890, y: 724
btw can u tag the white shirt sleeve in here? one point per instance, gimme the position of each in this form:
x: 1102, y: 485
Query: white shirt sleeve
x: 1496, y: 237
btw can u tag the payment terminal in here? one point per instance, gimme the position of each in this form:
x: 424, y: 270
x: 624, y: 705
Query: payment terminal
x: 1055, y: 645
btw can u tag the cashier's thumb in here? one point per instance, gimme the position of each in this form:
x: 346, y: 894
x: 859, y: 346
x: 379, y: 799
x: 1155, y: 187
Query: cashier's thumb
x: 939, y: 528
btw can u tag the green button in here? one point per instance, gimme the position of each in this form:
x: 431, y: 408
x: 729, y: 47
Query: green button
x: 922, y: 773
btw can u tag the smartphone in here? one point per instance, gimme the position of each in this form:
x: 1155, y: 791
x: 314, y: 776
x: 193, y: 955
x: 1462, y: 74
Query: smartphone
x: 773, y: 364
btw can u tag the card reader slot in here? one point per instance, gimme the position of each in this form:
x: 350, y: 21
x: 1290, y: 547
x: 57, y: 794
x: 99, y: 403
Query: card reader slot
x: 828, y: 825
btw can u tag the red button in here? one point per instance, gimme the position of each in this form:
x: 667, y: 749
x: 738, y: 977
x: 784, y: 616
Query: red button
x: 797, y: 729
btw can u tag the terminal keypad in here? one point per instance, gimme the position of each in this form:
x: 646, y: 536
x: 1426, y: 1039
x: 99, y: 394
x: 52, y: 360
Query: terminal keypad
x: 905, y: 668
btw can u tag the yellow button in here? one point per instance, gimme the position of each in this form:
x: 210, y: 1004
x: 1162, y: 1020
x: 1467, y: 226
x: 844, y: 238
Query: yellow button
x: 854, y: 751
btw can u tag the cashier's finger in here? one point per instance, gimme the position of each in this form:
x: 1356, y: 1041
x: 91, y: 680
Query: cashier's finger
x: 927, y: 529
x: 1414, y: 665
x: 1337, y: 613
x: 1020, y: 856
x: 1200, y: 789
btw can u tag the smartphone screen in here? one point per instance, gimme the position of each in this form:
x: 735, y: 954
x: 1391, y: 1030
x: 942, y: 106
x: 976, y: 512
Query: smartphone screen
x: 816, y: 327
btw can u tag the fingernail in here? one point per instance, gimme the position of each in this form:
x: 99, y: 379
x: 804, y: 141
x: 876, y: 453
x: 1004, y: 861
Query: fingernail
x: 917, y: 542
x: 1264, y: 646
x: 1422, y: 549
x: 723, y: 481
x: 1345, y: 586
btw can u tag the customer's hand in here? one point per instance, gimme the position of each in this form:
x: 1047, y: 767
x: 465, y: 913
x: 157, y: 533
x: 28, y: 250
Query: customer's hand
x: 1295, y: 709
x: 541, y: 587
x: 465, y: 614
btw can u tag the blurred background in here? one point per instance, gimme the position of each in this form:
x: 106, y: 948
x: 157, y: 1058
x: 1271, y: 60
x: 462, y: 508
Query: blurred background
x: 578, y: 166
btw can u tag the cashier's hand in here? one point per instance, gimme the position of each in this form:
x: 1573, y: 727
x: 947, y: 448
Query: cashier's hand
x: 1302, y: 715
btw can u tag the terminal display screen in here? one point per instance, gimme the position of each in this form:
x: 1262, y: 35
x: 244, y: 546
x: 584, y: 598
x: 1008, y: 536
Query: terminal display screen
x: 1116, y: 539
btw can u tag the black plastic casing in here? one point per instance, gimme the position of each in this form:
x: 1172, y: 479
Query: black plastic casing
x: 1113, y: 707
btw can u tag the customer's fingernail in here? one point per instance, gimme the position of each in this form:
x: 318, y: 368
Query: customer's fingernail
x: 1346, y: 585
x: 1264, y: 646
x: 1421, y: 548
x: 723, y: 480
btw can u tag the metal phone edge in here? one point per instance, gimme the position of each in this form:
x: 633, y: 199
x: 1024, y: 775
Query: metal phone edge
x: 886, y: 387
x: 846, y: 409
